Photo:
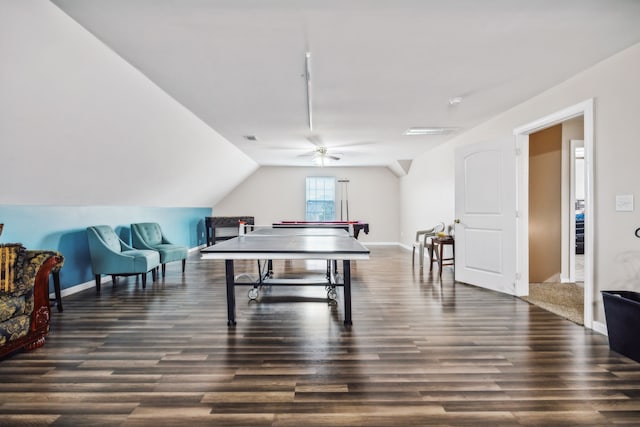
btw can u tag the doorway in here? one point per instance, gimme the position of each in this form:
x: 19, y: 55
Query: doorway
x: 555, y: 192
x: 584, y: 109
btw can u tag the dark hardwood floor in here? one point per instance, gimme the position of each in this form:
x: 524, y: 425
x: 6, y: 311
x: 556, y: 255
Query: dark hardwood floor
x: 420, y: 352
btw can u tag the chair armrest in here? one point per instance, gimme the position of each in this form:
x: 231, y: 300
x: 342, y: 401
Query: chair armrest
x: 125, y: 247
x: 138, y: 241
x: 100, y: 250
x: 48, y: 262
x: 420, y: 233
x: 425, y: 233
x: 38, y: 263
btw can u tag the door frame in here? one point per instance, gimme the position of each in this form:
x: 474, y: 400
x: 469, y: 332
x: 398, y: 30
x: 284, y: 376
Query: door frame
x: 573, y: 144
x: 522, y: 133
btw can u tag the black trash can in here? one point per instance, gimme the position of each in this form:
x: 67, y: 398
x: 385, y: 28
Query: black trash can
x: 622, y: 311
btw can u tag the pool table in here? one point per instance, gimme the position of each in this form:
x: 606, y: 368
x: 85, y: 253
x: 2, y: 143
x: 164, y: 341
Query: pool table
x: 357, y: 225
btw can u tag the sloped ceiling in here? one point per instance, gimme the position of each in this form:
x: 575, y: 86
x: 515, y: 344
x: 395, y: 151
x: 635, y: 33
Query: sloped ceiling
x: 81, y: 126
x: 377, y: 67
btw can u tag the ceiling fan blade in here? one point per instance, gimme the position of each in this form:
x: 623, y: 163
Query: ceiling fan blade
x: 354, y: 144
x: 307, y: 154
x: 315, y: 140
x: 360, y: 143
x: 332, y: 157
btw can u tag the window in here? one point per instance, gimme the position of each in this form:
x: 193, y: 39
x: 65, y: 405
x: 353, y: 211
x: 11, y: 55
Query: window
x: 321, y: 198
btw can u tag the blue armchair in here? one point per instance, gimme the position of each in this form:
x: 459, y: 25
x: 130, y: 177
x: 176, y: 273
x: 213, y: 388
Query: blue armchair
x: 110, y: 255
x: 148, y: 235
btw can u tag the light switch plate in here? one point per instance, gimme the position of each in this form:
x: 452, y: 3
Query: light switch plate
x: 624, y: 203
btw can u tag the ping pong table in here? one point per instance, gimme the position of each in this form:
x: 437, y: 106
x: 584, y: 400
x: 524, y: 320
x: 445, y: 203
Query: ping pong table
x: 269, y: 244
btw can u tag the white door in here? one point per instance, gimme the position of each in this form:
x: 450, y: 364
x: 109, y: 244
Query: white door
x: 485, y: 229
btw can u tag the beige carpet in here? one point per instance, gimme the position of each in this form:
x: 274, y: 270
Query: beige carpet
x: 564, y: 299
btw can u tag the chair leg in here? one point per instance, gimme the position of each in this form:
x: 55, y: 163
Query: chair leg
x: 413, y: 256
x: 164, y: 269
x: 421, y: 254
x: 441, y: 249
x: 154, y: 274
x: 56, y: 289
x: 98, y: 276
x: 434, y: 251
x: 113, y: 280
x: 144, y: 280
x: 184, y: 264
x: 453, y: 254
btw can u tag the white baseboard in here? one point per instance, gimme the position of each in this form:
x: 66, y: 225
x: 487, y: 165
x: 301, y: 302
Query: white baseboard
x: 600, y: 328
x: 80, y: 287
x: 382, y: 244
x: 105, y: 279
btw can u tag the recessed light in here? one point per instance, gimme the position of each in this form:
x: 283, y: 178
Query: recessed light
x: 455, y: 100
x: 430, y: 131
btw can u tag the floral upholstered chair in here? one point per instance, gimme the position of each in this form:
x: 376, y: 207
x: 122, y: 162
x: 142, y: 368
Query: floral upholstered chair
x: 24, y: 296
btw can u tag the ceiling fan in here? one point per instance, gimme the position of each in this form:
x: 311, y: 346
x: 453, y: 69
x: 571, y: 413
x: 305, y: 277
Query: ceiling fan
x: 321, y: 155
x: 320, y: 150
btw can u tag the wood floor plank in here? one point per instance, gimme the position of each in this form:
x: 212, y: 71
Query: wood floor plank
x: 422, y: 351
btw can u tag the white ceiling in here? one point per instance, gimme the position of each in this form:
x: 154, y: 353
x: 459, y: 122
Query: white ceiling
x: 377, y: 67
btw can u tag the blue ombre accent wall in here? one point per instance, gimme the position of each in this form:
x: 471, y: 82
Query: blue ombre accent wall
x: 63, y: 229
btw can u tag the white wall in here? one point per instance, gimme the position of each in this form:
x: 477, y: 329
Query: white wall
x: 615, y: 86
x: 278, y: 193
x: 80, y: 126
x: 427, y: 193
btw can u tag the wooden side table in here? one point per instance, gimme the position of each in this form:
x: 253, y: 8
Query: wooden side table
x: 437, y: 247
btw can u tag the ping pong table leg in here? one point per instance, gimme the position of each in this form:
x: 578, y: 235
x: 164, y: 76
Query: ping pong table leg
x: 346, y: 274
x: 231, y: 293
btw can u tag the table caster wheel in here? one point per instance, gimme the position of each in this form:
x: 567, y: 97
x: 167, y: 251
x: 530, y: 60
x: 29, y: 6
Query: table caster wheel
x: 332, y: 294
x: 253, y: 293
